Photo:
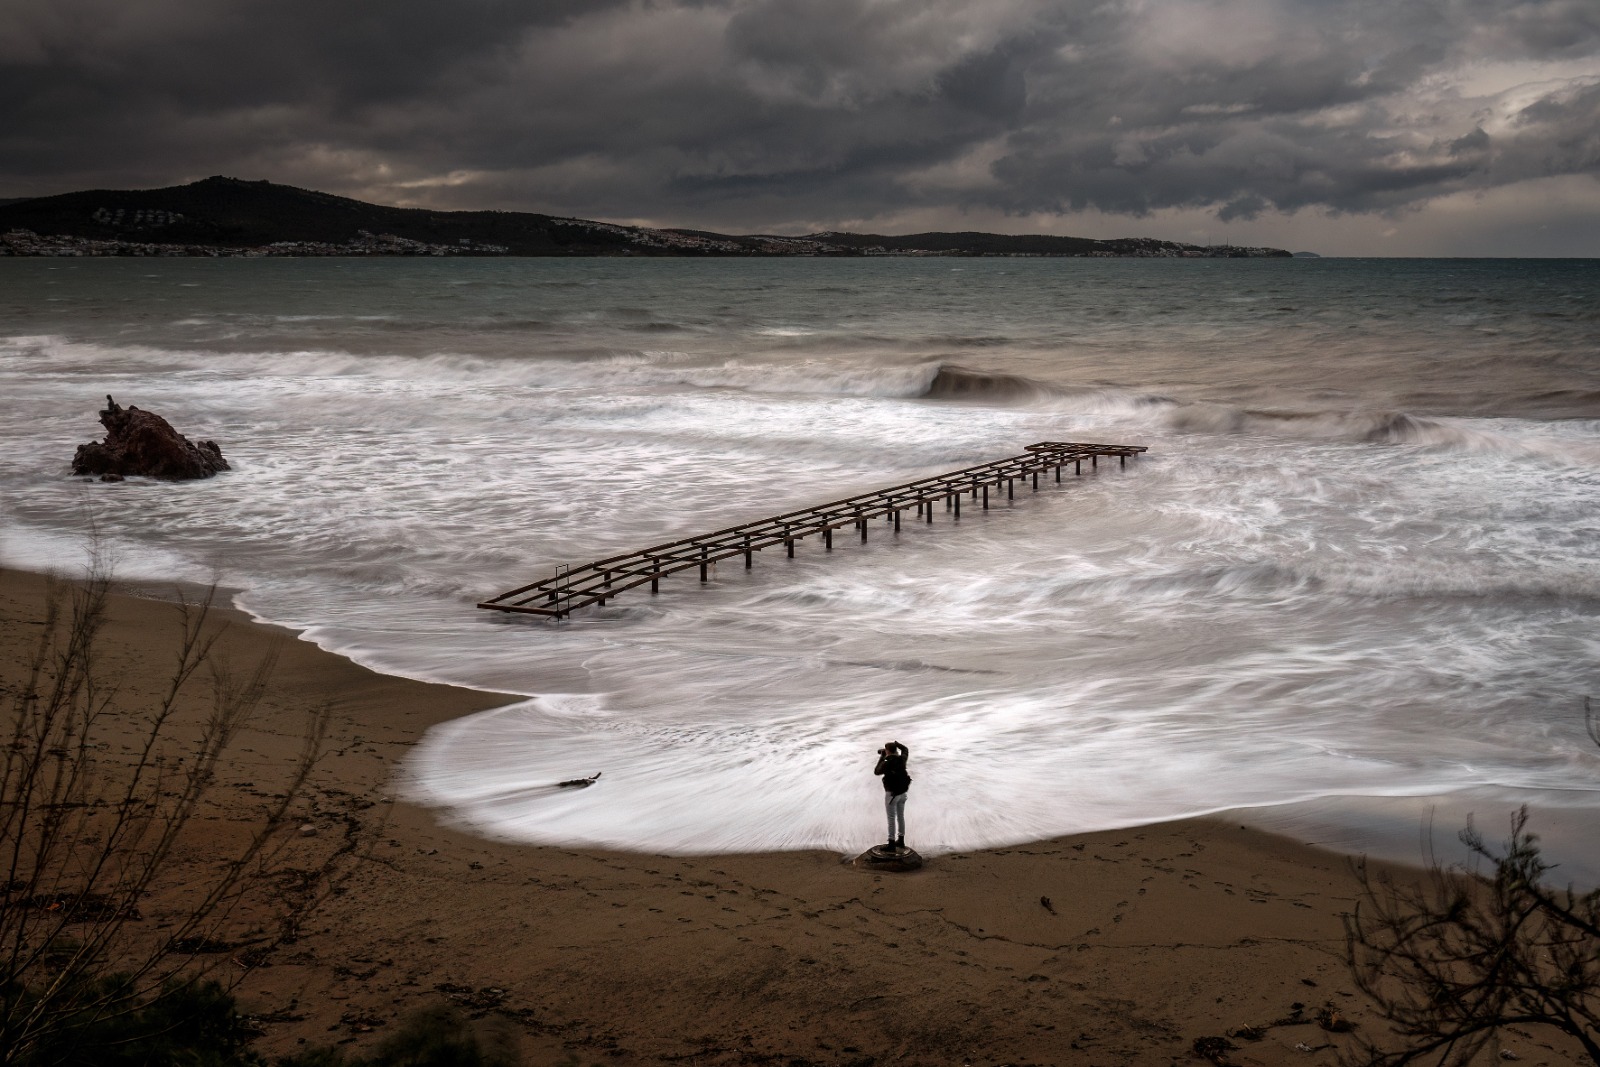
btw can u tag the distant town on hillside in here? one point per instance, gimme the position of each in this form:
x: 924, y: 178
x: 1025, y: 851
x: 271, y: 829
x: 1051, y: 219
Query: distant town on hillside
x: 229, y: 217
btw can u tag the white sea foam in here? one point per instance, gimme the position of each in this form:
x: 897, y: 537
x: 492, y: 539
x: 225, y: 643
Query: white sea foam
x: 1304, y: 590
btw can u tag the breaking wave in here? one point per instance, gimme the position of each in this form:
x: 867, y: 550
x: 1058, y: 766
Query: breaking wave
x: 657, y: 370
x: 1359, y: 558
x: 952, y: 382
x: 1383, y: 428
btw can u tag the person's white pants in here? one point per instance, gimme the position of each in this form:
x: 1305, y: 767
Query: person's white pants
x: 895, y: 805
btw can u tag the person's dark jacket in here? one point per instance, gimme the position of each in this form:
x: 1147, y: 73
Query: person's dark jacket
x: 892, y: 765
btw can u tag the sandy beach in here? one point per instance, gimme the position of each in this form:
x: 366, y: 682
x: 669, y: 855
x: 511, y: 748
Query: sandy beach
x: 1111, y: 948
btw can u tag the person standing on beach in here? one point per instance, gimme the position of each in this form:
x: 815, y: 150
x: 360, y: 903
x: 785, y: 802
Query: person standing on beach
x: 892, y: 768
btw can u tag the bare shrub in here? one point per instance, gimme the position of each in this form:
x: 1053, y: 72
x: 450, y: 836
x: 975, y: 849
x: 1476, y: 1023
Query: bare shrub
x: 86, y: 832
x: 1452, y: 960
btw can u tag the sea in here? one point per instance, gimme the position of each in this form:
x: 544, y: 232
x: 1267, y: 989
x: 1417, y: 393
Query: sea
x: 1351, y: 592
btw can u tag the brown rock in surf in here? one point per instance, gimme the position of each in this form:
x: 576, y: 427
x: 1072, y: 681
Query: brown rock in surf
x: 143, y: 443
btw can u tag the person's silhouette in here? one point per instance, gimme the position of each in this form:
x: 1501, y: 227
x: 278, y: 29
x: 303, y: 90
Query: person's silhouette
x: 892, y: 768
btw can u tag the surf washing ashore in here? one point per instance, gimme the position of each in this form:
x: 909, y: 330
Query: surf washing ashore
x: 1357, y: 562
x: 1128, y: 946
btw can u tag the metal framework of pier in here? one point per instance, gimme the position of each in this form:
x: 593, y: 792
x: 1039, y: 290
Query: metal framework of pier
x: 597, y: 582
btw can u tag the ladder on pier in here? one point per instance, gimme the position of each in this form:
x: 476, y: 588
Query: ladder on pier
x: 595, y: 583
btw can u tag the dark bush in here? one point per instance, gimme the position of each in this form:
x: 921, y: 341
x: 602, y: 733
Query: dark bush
x: 433, y: 1037
x: 186, y: 1025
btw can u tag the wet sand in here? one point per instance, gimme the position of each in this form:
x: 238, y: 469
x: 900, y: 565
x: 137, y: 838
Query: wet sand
x: 1108, y: 948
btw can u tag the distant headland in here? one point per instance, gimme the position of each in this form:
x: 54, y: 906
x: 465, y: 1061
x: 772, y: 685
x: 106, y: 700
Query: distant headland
x: 229, y: 217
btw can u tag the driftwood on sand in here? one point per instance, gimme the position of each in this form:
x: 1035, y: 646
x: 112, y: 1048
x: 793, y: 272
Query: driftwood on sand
x: 579, y: 783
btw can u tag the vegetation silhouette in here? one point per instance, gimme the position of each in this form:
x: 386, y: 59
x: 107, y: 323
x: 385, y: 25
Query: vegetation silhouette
x: 1453, y: 960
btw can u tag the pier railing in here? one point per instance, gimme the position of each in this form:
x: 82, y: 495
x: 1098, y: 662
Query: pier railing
x: 597, y: 582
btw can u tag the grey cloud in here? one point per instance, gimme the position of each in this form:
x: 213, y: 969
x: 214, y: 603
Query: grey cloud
x: 992, y: 84
x: 1330, y: 122
x: 89, y: 85
x: 1473, y: 144
x: 204, y: 56
x: 1543, y: 28
x: 1557, y: 134
x: 750, y: 113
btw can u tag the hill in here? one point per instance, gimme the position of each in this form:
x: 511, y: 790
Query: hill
x: 228, y: 213
x: 970, y: 243
x: 227, y: 216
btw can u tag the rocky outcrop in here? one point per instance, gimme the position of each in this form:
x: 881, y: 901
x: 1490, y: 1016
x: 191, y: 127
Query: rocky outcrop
x: 143, y: 443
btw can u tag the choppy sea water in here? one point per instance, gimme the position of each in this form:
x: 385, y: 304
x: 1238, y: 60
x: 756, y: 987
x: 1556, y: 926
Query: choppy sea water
x: 1359, y: 560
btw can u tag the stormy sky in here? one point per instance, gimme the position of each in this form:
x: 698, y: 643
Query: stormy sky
x: 1377, y: 127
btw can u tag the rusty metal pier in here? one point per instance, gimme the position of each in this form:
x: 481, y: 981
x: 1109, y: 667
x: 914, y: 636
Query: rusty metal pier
x: 597, y: 582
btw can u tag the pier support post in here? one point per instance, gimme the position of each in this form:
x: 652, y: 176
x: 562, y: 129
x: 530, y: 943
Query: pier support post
x: 1077, y: 466
x: 1094, y: 461
x: 827, y: 538
x: 1058, y: 474
x: 1035, y: 481
x: 958, y: 505
x: 790, y: 542
x: 1122, y: 461
x: 748, y: 559
x: 863, y: 524
x: 703, y: 564
x: 1011, y: 489
x: 986, y: 498
x: 896, y: 520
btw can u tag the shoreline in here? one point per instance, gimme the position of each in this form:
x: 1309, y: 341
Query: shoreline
x: 1124, y: 945
x: 1401, y: 829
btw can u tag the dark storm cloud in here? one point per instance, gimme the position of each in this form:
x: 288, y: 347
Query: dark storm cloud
x: 746, y: 112
x: 1338, y: 117
x: 155, y: 87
